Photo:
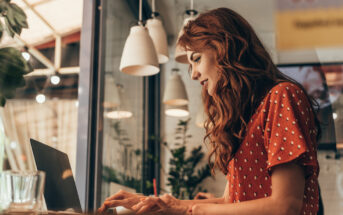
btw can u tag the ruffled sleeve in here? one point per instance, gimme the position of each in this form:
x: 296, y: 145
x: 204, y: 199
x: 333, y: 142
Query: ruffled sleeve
x: 290, y: 133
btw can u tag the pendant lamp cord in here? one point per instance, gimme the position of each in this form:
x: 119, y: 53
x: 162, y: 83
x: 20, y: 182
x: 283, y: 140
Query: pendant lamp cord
x: 191, y: 11
x: 153, y: 6
x: 140, y: 21
x: 154, y: 14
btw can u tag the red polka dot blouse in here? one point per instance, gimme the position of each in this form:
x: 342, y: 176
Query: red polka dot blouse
x: 281, y: 130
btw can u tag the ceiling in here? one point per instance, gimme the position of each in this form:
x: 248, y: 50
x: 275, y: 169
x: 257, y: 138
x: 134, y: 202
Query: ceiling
x: 47, y: 18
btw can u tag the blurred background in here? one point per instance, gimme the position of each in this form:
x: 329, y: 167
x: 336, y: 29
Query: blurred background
x: 124, y: 131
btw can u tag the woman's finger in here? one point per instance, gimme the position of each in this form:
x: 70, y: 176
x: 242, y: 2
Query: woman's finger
x: 144, y: 209
x: 115, y: 203
x: 160, y: 203
x: 148, y: 204
x: 101, y: 209
x: 115, y: 196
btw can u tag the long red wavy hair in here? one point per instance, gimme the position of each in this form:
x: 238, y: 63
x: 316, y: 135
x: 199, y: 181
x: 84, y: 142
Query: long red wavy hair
x: 246, y: 73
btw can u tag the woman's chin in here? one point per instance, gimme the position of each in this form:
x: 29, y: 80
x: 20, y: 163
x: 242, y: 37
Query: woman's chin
x: 210, y: 91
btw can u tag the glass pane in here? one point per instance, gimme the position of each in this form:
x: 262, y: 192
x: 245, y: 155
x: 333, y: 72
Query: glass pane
x: 44, y: 111
x: 123, y: 106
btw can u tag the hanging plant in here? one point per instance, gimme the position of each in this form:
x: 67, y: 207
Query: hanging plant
x: 13, y: 66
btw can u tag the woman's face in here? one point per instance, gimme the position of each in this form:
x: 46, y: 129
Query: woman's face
x: 203, y: 68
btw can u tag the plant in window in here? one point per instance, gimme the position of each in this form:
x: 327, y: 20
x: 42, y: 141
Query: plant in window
x: 13, y: 66
x: 129, y: 159
x: 184, y: 173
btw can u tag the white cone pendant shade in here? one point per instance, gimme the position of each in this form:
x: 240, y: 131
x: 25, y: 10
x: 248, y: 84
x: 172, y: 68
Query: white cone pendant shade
x: 118, y: 114
x: 111, y: 93
x: 159, y: 38
x: 122, y: 110
x: 180, y: 53
x: 175, y: 92
x: 139, y: 56
x: 177, y: 111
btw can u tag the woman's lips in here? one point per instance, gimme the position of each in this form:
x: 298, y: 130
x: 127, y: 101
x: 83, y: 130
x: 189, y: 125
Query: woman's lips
x: 204, y: 82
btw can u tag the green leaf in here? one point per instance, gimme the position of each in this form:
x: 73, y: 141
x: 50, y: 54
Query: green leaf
x: 13, y: 67
x: 9, y: 28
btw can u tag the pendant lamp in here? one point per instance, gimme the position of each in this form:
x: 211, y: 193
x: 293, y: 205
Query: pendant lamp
x: 180, y: 52
x: 175, y: 92
x: 139, y: 56
x: 121, y: 111
x: 158, y: 36
x: 176, y: 111
x: 111, y: 93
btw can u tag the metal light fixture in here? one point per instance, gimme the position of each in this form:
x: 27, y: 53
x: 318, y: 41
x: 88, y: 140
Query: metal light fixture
x: 121, y: 111
x: 176, y: 111
x: 139, y: 56
x: 175, y: 92
x: 158, y: 36
x: 180, y: 53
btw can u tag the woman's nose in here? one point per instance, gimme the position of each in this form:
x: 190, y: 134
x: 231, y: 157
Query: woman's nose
x: 195, y: 75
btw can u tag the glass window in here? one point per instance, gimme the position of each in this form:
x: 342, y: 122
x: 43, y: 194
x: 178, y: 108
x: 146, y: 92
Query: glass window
x: 122, y: 136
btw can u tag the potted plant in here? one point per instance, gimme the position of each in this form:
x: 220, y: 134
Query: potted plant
x: 185, y: 175
x: 13, y: 66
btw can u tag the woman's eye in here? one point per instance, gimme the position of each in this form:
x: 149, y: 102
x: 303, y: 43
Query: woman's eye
x: 197, y: 60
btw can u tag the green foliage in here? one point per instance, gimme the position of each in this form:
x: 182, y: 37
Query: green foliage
x: 110, y: 175
x: 183, y: 178
x: 127, y: 152
x: 13, y: 66
x: 15, y: 18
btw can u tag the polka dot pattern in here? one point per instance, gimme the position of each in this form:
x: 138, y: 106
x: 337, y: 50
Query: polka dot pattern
x: 281, y: 130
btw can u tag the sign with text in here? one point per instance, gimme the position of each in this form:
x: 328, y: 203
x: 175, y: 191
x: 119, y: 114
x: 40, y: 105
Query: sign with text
x: 309, y: 23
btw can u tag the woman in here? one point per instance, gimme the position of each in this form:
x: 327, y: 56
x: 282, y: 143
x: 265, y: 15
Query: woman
x: 261, y: 126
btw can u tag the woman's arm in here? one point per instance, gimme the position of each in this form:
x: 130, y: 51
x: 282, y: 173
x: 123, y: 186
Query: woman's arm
x: 288, y: 182
x: 211, y: 200
x: 203, y: 201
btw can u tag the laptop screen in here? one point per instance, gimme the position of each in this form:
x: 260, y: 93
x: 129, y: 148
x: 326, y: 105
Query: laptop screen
x: 60, y: 190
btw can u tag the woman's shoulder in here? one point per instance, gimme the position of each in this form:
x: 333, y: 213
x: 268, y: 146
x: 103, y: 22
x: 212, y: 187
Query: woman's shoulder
x: 285, y: 92
x: 285, y: 86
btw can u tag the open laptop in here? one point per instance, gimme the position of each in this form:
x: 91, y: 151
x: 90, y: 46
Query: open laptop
x: 60, y: 190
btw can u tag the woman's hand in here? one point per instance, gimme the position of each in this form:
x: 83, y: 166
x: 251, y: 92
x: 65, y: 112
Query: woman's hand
x: 166, y: 205
x: 121, y: 198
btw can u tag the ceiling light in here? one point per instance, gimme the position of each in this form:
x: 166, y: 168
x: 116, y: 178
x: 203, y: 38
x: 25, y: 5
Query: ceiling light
x: 139, y: 56
x: 118, y: 114
x: 26, y: 55
x: 40, y: 98
x: 175, y: 92
x: 177, y: 111
x: 55, y: 79
x: 180, y: 52
x: 158, y: 36
x: 118, y: 109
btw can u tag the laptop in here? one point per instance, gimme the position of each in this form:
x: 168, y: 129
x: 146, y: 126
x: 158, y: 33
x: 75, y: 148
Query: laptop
x: 60, y: 191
